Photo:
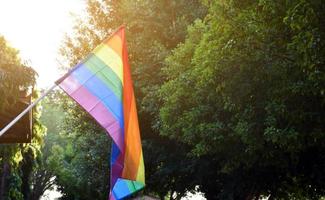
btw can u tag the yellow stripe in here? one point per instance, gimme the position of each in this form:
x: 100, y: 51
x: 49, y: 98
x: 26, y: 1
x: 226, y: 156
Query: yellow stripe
x: 140, y: 175
x: 111, y: 59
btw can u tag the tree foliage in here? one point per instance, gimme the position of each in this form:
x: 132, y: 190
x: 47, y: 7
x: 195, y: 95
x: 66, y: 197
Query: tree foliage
x: 252, y: 77
x: 14, y: 75
x: 17, y: 161
x: 230, y: 97
x: 75, y: 154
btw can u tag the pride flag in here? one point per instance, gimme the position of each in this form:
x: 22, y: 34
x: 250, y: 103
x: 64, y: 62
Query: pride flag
x: 102, y: 85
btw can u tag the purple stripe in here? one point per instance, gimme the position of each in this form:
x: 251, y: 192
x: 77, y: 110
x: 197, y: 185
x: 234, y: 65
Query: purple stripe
x: 95, y: 108
x: 116, y: 170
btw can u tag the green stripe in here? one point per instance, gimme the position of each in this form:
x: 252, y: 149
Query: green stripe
x: 105, y: 74
x: 137, y: 185
x: 130, y: 186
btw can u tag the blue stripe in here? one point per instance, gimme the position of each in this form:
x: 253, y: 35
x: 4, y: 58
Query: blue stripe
x: 101, y: 91
x: 121, y: 189
x: 115, y: 152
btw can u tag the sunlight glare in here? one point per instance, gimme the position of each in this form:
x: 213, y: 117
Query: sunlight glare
x: 36, y: 28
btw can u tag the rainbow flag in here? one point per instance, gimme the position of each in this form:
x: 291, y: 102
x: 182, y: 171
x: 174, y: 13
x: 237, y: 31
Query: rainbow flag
x: 102, y: 85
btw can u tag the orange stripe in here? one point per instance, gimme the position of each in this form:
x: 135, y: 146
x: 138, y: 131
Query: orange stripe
x: 115, y: 43
x: 131, y: 126
x: 132, y: 146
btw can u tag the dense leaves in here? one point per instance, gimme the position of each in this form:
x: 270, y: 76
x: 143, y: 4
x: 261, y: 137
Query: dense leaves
x: 252, y: 75
x: 75, y: 155
x: 17, y: 162
x: 230, y: 97
x: 14, y: 75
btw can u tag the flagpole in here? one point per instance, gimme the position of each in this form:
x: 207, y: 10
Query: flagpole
x: 26, y: 110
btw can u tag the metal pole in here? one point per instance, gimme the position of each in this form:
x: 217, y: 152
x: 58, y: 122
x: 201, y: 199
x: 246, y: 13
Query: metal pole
x: 26, y: 110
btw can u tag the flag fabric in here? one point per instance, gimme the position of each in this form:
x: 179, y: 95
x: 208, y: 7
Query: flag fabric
x: 102, y: 85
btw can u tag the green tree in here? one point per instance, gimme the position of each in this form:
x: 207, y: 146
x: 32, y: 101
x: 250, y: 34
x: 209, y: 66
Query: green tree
x: 75, y: 154
x: 246, y: 89
x: 43, y: 175
x: 14, y: 75
x: 16, y: 160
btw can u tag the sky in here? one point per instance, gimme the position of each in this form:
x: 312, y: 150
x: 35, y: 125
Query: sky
x: 36, y: 28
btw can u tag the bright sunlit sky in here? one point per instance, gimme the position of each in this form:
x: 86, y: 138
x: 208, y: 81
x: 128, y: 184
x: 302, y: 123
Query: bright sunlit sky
x: 36, y: 28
